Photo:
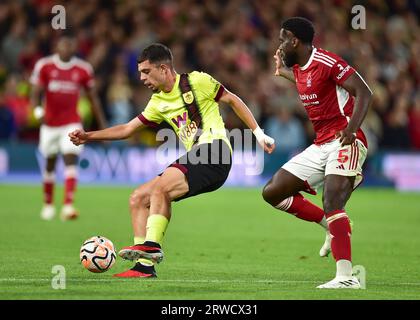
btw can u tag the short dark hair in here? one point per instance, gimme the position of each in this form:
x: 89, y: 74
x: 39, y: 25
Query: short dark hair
x: 156, y: 53
x: 302, y: 28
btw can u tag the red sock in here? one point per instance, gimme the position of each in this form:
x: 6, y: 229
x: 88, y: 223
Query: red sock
x: 340, y: 230
x: 48, y: 191
x: 69, y: 189
x: 302, y: 208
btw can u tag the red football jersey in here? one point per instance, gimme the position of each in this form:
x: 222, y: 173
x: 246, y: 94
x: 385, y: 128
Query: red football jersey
x: 328, y: 104
x: 62, y: 82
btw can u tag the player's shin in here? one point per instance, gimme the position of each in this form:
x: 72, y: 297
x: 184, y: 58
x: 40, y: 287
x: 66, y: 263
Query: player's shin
x: 139, y: 215
x: 48, y: 186
x: 340, y: 230
x: 156, y: 228
x: 70, y: 174
x: 160, y: 211
x: 303, y: 209
x: 48, y: 209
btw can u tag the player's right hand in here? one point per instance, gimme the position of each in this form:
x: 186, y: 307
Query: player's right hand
x: 279, y: 63
x: 78, y: 137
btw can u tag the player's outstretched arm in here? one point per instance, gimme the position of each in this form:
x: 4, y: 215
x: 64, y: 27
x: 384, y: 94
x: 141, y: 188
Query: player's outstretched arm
x: 281, y: 71
x: 358, y: 88
x: 118, y: 132
x: 243, y: 112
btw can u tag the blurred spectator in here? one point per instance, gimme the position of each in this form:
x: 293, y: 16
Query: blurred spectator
x: 29, y: 56
x: 119, y: 95
x: 17, y: 101
x: 414, y: 123
x: 396, y: 133
x: 7, y: 122
x: 14, y: 43
x: 234, y: 41
x: 285, y: 128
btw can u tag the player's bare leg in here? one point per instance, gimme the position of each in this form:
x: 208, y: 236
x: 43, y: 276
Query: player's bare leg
x: 48, y: 177
x: 282, y: 192
x: 282, y: 186
x: 139, y: 209
x: 68, y: 211
x: 171, y: 185
x: 158, y: 194
x: 337, y: 191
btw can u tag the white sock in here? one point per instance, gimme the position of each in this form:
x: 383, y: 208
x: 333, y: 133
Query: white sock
x: 323, y: 223
x: 344, y: 268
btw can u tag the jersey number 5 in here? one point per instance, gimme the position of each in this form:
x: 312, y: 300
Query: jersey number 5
x: 342, y: 156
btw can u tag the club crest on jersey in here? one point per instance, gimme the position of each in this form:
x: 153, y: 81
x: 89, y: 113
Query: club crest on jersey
x: 188, y: 97
x: 75, y: 76
x: 309, y: 80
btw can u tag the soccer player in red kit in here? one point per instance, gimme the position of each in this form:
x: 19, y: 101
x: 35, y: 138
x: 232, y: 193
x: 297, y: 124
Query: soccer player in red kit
x: 61, y: 77
x: 336, y: 99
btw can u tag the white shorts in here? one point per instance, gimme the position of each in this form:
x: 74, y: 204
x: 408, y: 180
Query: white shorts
x: 54, y: 140
x: 316, y: 162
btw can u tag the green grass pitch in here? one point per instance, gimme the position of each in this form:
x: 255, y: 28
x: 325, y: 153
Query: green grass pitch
x: 227, y: 244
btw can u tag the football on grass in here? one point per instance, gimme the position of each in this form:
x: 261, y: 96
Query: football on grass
x: 97, y: 254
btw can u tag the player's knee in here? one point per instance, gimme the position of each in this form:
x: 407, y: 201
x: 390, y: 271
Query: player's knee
x: 333, y: 203
x: 270, y: 195
x: 138, y: 198
x: 160, y: 191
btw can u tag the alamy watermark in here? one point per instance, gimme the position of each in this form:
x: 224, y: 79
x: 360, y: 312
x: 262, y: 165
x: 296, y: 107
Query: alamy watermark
x: 359, y: 20
x: 359, y: 272
x: 58, y: 281
x: 59, y: 20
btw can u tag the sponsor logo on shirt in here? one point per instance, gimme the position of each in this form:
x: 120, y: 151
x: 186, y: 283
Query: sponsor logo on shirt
x: 311, y: 96
x: 309, y: 99
x: 343, y: 71
x: 179, y: 120
x: 62, y: 86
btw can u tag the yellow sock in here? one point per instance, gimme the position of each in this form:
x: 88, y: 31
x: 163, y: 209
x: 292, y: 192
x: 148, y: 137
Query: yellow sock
x: 156, y: 227
x: 146, y: 262
x: 138, y: 240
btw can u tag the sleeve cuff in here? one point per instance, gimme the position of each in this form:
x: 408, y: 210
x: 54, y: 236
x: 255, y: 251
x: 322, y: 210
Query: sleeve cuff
x: 219, y: 93
x: 147, y: 122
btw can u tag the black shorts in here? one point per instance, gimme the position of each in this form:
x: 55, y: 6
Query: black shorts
x: 206, y: 167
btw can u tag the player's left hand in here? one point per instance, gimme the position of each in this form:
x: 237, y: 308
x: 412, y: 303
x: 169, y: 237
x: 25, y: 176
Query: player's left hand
x: 346, y: 137
x: 269, y: 146
x: 267, y: 143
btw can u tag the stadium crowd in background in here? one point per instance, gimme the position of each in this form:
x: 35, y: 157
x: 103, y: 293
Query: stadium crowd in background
x: 233, y: 40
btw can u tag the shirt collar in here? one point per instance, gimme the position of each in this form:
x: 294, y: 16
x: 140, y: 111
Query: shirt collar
x: 310, y: 60
x: 62, y: 64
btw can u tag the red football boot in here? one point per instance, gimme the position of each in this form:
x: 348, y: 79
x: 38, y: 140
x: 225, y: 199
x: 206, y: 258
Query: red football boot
x: 138, y: 271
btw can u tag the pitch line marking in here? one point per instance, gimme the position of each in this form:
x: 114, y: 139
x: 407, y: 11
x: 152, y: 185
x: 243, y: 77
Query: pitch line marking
x: 199, y: 281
